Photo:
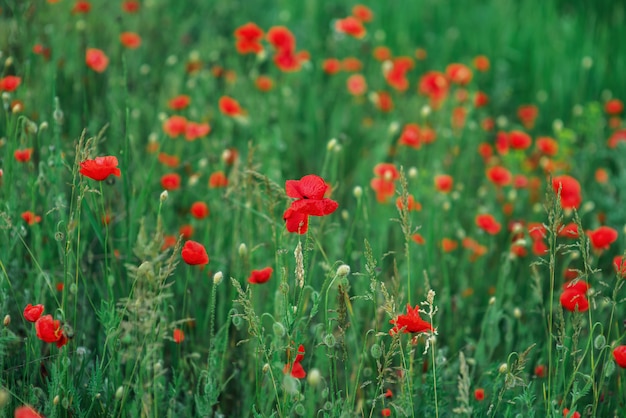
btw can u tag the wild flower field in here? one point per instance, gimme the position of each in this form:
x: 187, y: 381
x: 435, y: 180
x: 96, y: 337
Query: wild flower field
x: 312, y: 209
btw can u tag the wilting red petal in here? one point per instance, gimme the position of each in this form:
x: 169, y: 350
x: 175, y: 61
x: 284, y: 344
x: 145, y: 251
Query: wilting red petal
x: 260, y: 276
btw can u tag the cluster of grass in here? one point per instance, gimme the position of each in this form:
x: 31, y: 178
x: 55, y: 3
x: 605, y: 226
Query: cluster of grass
x: 105, y: 257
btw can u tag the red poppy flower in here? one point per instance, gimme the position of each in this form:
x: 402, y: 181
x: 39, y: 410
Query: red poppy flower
x: 383, y: 101
x: 385, y: 189
x: 481, y: 63
x: 574, y: 296
x: 540, y: 247
x: 180, y: 102
x: 616, y: 138
x: 351, y: 64
x: 49, y: 330
x: 296, y: 370
x: 619, y: 264
x: 519, y: 140
x: 488, y: 223
x: 540, y: 371
x: 502, y: 143
x: 547, y: 146
x: 619, y: 354
x: 410, y: 322
x: 178, y: 336
x: 175, y: 126
x: 448, y: 245
x: 410, y: 136
x: 418, y: 239
x: 96, y: 59
x: 281, y: 38
x: 168, y: 242
x: 350, y: 26
x: 23, y: 155
x: 309, y: 191
x: 569, y: 231
x: 527, y: 115
x: 186, y: 231
x: 575, y: 414
x: 10, y: 83
x: 260, y: 276
x: 499, y: 175
x: 570, y: 191
x: 479, y: 394
x: 229, y: 106
x: 434, y: 85
x: 287, y: 60
x: 26, y: 412
x: 170, y: 181
x: 100, y: 168
x: 194, y: 253
x: 264, y: 83
x: 249, y: 39
x: 199, y: 210
x: 385, y: 412
x: 130, y: 6
x: 81, y: 6
x: 459, y: 74
x: 396, y: 77
x: 30, y: 218
x: 195, y: 130
x: 33, y: 313
x: 218, y: 179
x: 363, y: 13
x: 382, y: 53
x: 602, y: 237
x: 167, y: 160
x: 412, y: 204
x: 444, y: 183
x: 614, y: 107
x: 331, y: 66
x: 130, y: 40
x: 356, y: 84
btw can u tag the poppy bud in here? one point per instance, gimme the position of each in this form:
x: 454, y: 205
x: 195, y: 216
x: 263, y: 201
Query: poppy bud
x: 314, y: 377
x: 343, y: 270
x: 7, y: 320
x: 243, y: 250
x: 217, y: 278
x: 357, y: 192
x: 164, y: 195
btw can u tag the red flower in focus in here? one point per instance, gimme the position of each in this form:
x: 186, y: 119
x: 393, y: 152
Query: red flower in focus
x: 82, y: 7
x: 410, y: 322
x: 10, y: 83
x: 130, y: 6
x: 570, y: 191
x: 175, y: 126
x: 100, y: 168
x: 170, y: 181
x: 49, y: 330
x: 260, y: 276
x: 459, y: 74
x: 488, y: 223
x: 574, y: 296
x: 619, y: 354
x: 26, y: 412
x: 363, y: 13
x: 229, y: 106
x: 527, y: 115
x: 33, y: 313
x: 249, y: 39
x: 499, y: 175
x: 444, y: 183
x: 614, y: 107
x: 350, y: 26
x: 309, y: 192
x: 194, y: 253
x: 30, y: 218
x: 199, y: 210
x: 180, y: 102
x: 296, y: 370
x: 479, y: 394
x: 23, y: 155
x: 96, y: 59
x: 218, y: 179
x: 130, y: 40
x: 602, y: 237
x: 178, y: 336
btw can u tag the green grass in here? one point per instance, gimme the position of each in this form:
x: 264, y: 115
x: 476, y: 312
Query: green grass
x: 121, y: 293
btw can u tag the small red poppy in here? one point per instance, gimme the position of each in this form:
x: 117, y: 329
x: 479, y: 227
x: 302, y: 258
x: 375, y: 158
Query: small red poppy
x: 351, y: 26
x: 170, y: 181
x: 385, y: 412
x: 33, y: 313
x: 218, y: 179
x: 296, y: 370
x: 574, y: 296
x: 26, y: 412
x: 175, y: 126
x: 444, y: 183
x: 199, y: 210
x: 570, y: 191
x: 479, y: 394
x: 180, y: 102
x: 100, y: 168
x: 31, y: 218
x: 178, y: 336
x: 96, y: 59
x: 602, y: 237
x: 10, y: 83
x: 229, y: 106
x: 23, y: 155
x: 130, y: 40
x: 488, y: 223
x: 619, y: 354
x: 260, y: 276
x: 194, y: 253
x: 410, y: 322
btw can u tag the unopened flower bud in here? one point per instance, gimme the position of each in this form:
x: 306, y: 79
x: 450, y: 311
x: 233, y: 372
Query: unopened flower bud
x: 314, y: 377
x: 164, y: 195
x: 343, y: 270
x: 517, y: 313
x: 217, y: 278
x: 7, y: 320
x: 357, y: 192
x: 503, y: 368
x: 243, y: 250
x: 119, y: 393
x: 413, y: 173
x: 266, y: 368
x: 56, y: 400
x: 331, y: 144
